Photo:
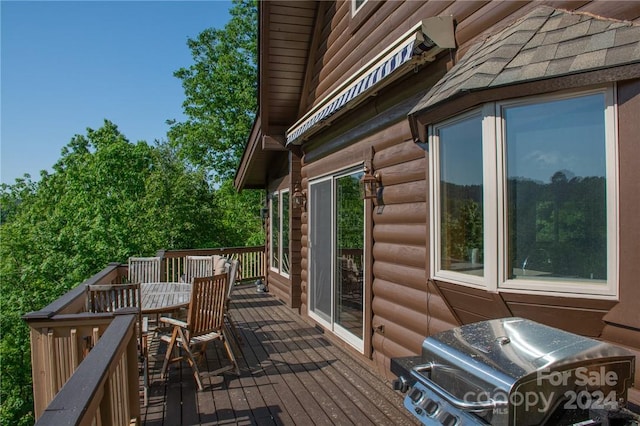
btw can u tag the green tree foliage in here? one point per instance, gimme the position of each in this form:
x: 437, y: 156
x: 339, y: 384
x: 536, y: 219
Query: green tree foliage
x: 221, y: 93
x: 220, y: 102
x: 107, y: 199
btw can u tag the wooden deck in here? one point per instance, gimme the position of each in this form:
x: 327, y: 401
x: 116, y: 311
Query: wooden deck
x: 290, y: 374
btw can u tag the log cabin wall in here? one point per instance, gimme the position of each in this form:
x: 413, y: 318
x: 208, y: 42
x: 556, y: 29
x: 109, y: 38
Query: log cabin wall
x: 400, y: 307
x: 344, y: 48
x: 404, y: 305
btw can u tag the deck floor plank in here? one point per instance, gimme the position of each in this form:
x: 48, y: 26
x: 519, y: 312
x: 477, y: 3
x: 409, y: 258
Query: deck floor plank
x: 276, y: 394
x: 290, y: 375
x: 286, y: 365
x: 340, y: 405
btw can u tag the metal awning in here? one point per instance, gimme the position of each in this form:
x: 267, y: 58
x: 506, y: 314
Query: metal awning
x: 419, y: 45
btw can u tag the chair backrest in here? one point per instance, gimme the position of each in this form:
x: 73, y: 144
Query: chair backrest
x: 232, y: 272
x: 198, y: 266
x: 207, y: 305
x: 144, y: 269
x: 112, y: 297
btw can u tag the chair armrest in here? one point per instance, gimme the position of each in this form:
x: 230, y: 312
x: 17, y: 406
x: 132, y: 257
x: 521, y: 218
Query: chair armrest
x: 173, y: 321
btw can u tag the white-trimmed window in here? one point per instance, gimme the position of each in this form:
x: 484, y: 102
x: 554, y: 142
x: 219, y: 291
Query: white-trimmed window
x: 279, y: 237
x: 524, y: 195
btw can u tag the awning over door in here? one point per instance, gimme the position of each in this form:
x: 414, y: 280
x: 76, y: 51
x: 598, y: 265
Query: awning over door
x: 419, y: 45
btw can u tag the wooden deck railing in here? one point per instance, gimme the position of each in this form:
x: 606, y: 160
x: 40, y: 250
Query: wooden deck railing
x: 103, y: 390
x: 252, y: 261
x: 64, y: 337
x: 63, y: 334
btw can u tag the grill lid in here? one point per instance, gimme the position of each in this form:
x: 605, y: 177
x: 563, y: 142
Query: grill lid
x: 503, y: 351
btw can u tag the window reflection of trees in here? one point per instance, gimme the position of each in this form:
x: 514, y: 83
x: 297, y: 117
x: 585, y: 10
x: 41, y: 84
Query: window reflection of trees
x: 558, y: 229
x: 462, y: 224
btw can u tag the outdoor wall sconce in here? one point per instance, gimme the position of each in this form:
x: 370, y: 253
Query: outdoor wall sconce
x: 299, y: 197
x: 370, y: 184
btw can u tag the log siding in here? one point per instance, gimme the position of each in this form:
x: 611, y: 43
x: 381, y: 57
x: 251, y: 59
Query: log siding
x: 402, y: 303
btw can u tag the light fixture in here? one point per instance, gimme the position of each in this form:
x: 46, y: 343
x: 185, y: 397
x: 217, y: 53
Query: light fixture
x: 370, y: 184
x: 299, y: 197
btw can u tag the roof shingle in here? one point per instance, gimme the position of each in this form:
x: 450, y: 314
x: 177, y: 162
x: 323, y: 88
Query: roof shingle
x: 546, y: 43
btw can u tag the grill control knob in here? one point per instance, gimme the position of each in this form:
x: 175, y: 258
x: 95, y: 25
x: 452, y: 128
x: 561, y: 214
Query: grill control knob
x: 400, y: 384
x: 415, y: 394
x: 430, y: 407
x: 449, y: 420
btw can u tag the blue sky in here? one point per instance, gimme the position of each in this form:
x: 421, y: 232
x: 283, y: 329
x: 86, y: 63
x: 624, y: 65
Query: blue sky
x: 68, y: 65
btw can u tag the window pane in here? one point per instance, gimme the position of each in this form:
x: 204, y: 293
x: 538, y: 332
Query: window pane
x: 349, y: 251
x: 556, y: 192
x: 320, y: 251
x: 461, y: 192
x: 275, y: 231
x: 285, y: 232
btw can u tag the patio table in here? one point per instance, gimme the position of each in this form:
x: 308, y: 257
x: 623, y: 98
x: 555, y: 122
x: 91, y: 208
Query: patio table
x: 160, y: 297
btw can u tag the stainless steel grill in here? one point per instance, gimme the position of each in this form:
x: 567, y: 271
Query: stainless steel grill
x: 514, y: 371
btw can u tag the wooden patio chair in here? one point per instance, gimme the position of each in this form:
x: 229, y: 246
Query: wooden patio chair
x: 144, y: 269
x: 205, y: 322
x: 198, y: 266
x: 115, y: 297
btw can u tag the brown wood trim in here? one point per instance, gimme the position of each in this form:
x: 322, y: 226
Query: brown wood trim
x: 581, y: 316
x: 263, y: 66
x: 433, y: 288
x: 273, y: 143
x: 295, y: 233
x: 219, y: 251
x: 249, y: 152
x: 471, y: 304
x: 626, y: 313
x: 368, y: 280
x: 568, y: 302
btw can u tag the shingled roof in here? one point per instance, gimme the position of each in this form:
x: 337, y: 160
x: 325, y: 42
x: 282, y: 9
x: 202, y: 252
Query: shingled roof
x: 544, y: 44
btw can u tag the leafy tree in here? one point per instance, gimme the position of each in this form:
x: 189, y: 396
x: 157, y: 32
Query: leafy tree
x: 220, y: 102
x: 107, y: 199
x: 220, y: 89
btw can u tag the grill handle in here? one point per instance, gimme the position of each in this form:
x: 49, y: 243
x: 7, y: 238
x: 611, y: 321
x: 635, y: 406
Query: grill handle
x: 417, y: 371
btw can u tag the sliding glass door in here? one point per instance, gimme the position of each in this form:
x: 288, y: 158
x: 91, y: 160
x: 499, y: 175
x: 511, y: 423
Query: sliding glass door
x: 320, y: 242
x: 336, y: 253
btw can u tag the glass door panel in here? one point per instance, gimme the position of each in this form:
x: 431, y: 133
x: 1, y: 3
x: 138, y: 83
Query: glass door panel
x: 349, y: 255
x: 320, y: 252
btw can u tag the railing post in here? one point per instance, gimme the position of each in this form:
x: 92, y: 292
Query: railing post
x: 163, y: 268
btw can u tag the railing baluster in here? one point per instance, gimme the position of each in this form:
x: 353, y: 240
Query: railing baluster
x: 63, y: 334
x: 74, y: 348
